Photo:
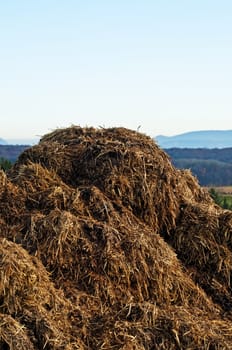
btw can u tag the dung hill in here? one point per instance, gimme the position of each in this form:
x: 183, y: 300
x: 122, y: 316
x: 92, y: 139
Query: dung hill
x: 105, y: 245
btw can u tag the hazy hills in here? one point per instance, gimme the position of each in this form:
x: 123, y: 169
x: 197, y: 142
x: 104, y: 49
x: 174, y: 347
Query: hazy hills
x: 11, y: 152
x: 197, y: 139
x: 3, y: 142
x: 11, y: 149
x: 212, y: 166
x: 19, y: 141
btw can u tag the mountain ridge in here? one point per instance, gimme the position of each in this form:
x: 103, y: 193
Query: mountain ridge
x: 3, y: 142
x: 197, y: 139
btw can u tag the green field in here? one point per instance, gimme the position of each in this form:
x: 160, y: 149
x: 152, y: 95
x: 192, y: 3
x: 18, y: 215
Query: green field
x: 222, y: 196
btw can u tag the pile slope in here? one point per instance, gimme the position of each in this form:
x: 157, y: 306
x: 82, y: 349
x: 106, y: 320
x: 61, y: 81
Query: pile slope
x: 105, y: 245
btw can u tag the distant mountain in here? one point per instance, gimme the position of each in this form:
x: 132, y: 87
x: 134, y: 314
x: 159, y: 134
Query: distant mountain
x: 212, y: 166
x: 11, y: 152
x: 197, y: 139
x: 3, y: 142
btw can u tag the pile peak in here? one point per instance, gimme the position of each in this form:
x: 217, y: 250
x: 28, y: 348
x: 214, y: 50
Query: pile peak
x: 134, y: 253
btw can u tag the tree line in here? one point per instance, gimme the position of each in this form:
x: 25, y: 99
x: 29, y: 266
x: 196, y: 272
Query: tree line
x: 5, y: 164
x: 212, y: 167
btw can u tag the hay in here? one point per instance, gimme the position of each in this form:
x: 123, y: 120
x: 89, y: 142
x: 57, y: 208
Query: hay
x: 114, y: 265
x: 183, y: 328
x: 125, y: 165
x: 12, y: 198
x: 32, y: 304
x: 105, y: 245
x: 13, y: 335
x: 198, y: 241
x: 44, y: 189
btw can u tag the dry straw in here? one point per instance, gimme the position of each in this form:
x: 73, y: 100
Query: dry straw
x: 105, y: 245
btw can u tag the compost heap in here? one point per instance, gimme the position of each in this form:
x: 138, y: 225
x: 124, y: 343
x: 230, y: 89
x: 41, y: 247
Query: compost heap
x: 105, y: 245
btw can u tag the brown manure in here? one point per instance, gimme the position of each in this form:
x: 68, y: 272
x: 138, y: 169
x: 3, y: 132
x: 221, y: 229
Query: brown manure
x: 105, y: 245
x: 30, y: 306
x: 13, y: 335
x: 126, y: 166
x: 199, y: 240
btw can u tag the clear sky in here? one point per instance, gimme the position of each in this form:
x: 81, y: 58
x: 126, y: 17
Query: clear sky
x: 164, y: 65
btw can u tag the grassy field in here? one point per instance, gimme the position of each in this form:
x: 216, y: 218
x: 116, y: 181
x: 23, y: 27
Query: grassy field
x: 222, y: 196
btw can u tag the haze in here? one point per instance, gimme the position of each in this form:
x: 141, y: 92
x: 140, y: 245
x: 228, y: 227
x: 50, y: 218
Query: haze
x: 163, y: 67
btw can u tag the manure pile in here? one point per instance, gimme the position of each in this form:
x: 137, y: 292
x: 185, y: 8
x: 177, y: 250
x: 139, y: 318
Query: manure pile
x: 105, y: 245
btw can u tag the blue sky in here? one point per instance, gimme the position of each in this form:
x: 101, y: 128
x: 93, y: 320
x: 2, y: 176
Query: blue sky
x: 163, y: 65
